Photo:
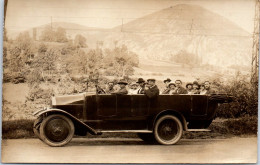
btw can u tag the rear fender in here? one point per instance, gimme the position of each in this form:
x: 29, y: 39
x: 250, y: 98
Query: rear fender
x: 49, y: 111
x: 171, y: 112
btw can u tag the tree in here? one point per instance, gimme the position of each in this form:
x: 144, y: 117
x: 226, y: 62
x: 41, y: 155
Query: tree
x: 46, y: 63
x: 120, y: 61
x: 80, y: 41
x: 25, y: 44
x: 61, y: 35
x: 187, y: 58
x: 48, y: 34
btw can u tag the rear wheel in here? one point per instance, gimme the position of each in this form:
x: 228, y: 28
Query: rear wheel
x: 57, y: 130
x: 168, y: 130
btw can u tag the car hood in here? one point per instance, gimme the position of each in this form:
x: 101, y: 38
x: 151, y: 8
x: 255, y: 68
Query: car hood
x: 70, y: 99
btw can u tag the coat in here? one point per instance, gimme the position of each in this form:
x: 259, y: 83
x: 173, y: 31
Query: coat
x: 109, y: 91
x: 181, y: 90
x: 152, y: 92
x: 121, y: 91
x: 210, y: 91
x: 166, y: 91
x: 140, y: 91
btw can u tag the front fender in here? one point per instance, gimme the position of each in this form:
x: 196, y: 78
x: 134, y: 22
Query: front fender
x: 59, y: 111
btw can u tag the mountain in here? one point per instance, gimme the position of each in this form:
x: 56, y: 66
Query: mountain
x: 213, y: 38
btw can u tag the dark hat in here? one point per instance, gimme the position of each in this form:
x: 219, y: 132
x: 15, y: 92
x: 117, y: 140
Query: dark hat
x: 172, y: 84
x: 196, y: 83
x: 169, y: 80
x: 189, y: 83
x: 151, y: 79
x: 140, y: 80
x: 122, y: 82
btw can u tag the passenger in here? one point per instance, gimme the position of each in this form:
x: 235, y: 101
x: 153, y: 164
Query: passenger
x: 122, y: 90
x: 151, y: 90
x: 141, y: 83
x: 110, y: 88
x: 172, y: 89
x: 189, y: 88
x: 166, y: 90
x: 180, y: 89
x: 195, y: 88
x: 208, y: 88
x: 133, y: 89
x: 203, y: 91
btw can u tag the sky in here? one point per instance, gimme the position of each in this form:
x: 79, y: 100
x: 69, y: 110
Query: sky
x: 25, y: 14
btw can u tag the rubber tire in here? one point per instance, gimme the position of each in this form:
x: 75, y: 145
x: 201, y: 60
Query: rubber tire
x: 36, y: 127
x: 63, y: 142
x: 147, y: 137
x: 179, y: 131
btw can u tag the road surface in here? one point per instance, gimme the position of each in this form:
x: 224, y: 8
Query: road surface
x: 113, y: 150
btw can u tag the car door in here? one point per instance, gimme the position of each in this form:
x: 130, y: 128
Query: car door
x: 106, y: 105
x: 199, y: 105
x: 140, y: 105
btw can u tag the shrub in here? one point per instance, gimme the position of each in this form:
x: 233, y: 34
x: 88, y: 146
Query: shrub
x: 246, y: 97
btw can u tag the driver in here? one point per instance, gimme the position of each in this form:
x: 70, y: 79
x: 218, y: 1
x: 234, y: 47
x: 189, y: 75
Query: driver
x: 122, y: 88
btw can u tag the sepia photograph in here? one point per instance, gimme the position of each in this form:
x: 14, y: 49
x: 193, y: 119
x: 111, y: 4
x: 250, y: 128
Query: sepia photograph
x: 130, y: 81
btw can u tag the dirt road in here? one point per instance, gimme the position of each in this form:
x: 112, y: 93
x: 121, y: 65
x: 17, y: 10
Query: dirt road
x: 112, y: 150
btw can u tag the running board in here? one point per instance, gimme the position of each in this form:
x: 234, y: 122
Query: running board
x: 198, y: 130
x: 126, y: 131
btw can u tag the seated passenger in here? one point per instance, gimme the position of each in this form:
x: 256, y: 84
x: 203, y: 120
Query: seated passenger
x: 203, y: 91
x: 110, y: 88
x: 151, y: 90
x: 172, y: 88
x: 195, y: 88
x: 166, y: 90
x: 189, y: 88
x: 133, y: 89
x: 208, y: 89
x: 122, y: 90
x: 180, y: 89
x: 141, y: 83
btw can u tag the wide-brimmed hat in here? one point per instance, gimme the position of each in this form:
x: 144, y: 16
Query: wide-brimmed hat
x: 122, y: 82
x: 140, y: 80
x: 189, y: 83
x: 151, y: 79
x: 172, y: 84
x: 167, y: 80
x: 196, y: 83
x: 133, y: 83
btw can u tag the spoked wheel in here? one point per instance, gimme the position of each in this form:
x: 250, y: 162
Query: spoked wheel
x: 36, y: 127
x: 147, y: 137
x: 57, y: 130
x: 168, y: 130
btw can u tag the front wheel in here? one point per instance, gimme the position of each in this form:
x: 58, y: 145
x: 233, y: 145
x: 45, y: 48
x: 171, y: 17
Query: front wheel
x: 36, y: 127
x: 168, y: 130
x: 57, y: 130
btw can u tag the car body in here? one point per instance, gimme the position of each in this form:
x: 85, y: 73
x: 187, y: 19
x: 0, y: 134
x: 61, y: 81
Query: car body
x: 160, y: 119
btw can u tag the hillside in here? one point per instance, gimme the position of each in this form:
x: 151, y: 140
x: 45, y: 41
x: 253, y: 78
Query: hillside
x: 212, y: 38
x: 216, y: 40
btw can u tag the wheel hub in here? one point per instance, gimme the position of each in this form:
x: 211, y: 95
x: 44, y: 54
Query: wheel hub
x: 57, y: 130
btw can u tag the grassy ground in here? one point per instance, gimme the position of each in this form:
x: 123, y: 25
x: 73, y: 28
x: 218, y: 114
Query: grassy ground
x: 246, y: 126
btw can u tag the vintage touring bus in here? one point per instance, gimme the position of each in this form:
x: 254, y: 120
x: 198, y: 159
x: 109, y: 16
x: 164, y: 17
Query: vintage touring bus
x: 162, y: 119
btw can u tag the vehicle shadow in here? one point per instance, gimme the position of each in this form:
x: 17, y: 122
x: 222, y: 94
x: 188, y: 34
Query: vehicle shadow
x: 129, y: 141
x: 107, y: 141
